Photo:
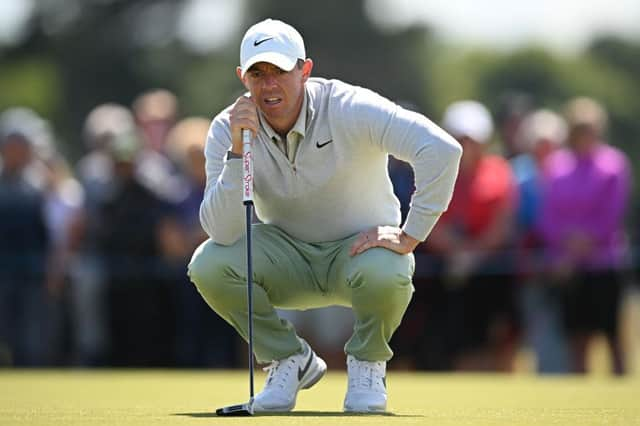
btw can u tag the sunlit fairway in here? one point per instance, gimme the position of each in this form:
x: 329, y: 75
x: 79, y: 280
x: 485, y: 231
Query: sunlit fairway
x: 142, y: 397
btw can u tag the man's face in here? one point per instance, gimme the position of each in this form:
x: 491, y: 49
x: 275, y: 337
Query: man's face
x: 582, y: 138
x: 278, y: 93
x: 15, y: 153
x: 196, y: 165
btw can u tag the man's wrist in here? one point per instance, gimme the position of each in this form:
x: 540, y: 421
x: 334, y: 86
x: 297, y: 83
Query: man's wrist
x: 409, y: 240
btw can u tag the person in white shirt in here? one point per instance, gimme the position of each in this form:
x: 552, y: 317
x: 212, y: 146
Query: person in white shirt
x: 330, y: 231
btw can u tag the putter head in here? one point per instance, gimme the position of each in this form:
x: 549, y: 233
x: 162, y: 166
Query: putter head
x: 236, y: 410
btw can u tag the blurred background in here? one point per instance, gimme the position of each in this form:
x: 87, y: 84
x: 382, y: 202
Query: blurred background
x: 105, y: 105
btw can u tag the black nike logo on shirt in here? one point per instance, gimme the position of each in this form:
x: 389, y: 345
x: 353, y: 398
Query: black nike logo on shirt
x: 259, y: 42
x: 303, y: 371
x: 320, y: 145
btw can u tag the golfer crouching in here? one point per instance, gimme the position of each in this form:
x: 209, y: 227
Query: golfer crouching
x: 330, y: 231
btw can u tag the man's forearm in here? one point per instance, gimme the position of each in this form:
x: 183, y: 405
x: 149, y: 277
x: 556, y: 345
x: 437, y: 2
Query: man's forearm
x: 221, y: 213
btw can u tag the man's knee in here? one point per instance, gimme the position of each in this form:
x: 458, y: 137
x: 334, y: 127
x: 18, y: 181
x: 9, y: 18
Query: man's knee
x: 381, y: 277
x: 211, y: 267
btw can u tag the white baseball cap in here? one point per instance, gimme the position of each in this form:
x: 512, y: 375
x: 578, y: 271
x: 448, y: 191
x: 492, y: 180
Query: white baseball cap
x: 271, y: 41
x: 540, y: 125
x: 468, y: 118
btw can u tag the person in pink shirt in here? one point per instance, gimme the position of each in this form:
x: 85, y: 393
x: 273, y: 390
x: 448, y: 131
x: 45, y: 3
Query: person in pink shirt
x: 586, y: 192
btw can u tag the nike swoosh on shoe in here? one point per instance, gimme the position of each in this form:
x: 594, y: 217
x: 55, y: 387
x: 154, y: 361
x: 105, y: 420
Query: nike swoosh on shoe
x: 303, y: 371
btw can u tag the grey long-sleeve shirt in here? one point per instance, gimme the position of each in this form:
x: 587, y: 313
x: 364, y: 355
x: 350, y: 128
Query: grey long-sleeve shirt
x: 338, y: 184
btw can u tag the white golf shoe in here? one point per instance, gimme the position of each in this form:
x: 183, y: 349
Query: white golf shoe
x: 286, y: 377
x: 367, y: 392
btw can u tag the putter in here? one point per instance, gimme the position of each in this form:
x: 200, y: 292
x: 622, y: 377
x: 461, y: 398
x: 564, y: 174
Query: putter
x: 247, y: 200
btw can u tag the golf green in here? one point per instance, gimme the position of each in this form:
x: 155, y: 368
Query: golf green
x: 171, y: 397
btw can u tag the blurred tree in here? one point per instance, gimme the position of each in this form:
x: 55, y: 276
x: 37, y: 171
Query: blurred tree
x: 78, y: 53
x: 533, y: 71
x: 623, y: 57
x: 102, y: 58
x: 619, y: 53
x: 90, y: 52
x: 548, y: 80
x: 32, y: 81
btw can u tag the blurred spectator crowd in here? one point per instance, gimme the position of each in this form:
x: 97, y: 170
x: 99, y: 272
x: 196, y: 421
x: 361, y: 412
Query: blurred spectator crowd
x: 93, y: 257
x: 532, y: 252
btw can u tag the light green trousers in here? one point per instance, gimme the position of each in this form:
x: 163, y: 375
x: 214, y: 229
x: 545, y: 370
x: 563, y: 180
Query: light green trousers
x: 292, y: 274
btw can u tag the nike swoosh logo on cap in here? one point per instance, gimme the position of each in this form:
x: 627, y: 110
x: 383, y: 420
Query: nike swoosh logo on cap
x: 320, y: 145
x: 259, y: 42
x: 303, y: 371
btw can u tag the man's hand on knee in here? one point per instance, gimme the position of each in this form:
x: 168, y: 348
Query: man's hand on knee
x: 389, y: 237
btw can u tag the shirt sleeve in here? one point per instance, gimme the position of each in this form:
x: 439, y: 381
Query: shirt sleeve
x: 433, y: 154
x: 221, y: 210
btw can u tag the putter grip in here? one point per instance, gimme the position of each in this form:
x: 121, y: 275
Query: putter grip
x: 247, y: 167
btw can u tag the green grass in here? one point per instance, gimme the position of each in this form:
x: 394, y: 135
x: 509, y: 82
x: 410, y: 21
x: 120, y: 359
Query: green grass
x: 142, y: 397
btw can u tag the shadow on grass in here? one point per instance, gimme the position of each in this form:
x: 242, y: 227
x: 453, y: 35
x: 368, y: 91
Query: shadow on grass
x: 303, y: 413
